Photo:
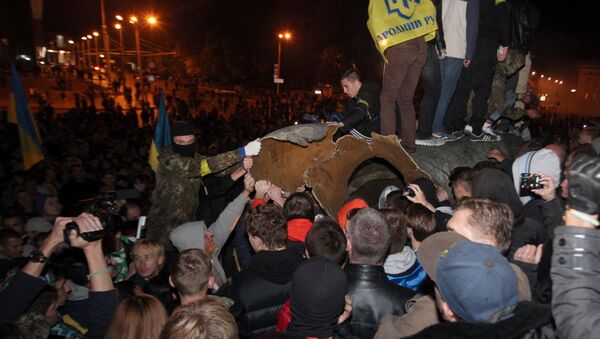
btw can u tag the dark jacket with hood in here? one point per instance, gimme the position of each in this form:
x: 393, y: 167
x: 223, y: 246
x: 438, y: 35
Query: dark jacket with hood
x: 496, y: 185
x: 528, y: 321
x: 263, y: 288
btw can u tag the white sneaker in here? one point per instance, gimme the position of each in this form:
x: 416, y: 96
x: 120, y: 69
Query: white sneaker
x: 431, y: 142
x: 468, y: 130
x: 489, y: 130
x: 437, y: 135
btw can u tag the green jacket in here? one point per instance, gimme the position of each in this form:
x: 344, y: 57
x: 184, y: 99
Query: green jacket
x: 178, y: 181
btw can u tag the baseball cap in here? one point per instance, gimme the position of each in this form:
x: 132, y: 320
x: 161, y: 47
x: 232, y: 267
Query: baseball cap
x: 38, y: 224
x: 434, y: 246
x: 476, y: 281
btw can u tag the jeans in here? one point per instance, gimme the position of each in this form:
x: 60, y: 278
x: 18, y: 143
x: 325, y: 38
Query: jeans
x: 450, y: 69
x: 430, y: 79
x: 400, y: 78
x: 477, y: 78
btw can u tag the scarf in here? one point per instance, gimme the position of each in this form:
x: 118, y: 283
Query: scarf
x: 297, y: 229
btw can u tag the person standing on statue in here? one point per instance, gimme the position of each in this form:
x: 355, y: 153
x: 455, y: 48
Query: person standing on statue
x: 400, y: 31
x: 179, y: 178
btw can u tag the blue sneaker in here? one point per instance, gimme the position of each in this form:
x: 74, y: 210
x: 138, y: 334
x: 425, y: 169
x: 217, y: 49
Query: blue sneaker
x: 449, y: 137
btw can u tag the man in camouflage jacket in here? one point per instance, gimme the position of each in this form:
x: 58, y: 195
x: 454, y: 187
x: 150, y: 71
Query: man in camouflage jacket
x: 179, y: 178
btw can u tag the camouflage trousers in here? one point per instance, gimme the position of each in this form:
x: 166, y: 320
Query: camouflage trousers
x: 505, y: 69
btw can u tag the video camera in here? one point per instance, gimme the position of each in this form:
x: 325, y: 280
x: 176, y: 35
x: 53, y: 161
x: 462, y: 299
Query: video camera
x: 105, y: 208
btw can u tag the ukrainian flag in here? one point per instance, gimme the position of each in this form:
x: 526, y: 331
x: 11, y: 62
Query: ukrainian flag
x: 19, y: 113
x: 162, y: 134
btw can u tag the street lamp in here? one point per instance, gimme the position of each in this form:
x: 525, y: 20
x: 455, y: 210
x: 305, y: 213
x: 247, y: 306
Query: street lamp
x: 134, y: 21
x: 105, y: 40
x: 83, y: 52
x: 282, y: 36
x: 73, y: 52
x: 96, y: 51
x: 89, y: 50
x: 119, y: 28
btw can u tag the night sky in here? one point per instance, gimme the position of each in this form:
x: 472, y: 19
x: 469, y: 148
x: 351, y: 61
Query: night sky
x: 567, y: 34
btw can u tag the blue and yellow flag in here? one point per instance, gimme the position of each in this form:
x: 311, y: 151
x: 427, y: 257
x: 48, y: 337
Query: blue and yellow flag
x: 162, y: 134
x: 19, y: 113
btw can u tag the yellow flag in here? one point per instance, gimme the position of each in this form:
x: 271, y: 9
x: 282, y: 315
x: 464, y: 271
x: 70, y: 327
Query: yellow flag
x: 395, y: 21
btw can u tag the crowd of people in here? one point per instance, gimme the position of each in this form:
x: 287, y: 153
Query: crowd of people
x: 95, y: 244
x: 227, y: 256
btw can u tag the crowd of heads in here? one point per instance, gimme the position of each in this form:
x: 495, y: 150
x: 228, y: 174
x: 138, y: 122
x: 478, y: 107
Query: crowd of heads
x: 460, y: 251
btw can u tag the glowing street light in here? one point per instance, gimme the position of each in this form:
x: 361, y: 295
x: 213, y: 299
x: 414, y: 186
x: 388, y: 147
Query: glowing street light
x: 152, y: 20
x: 133, y: 19
x: 118, y: 17
x: 88, y: 40
x: 83, y: 59
x: 560, y: 82
x: 282, y: 36
x: 533, y: 73
x: 97, y: 52
x: 119, y: 28
x: 573, y: 90
x: 556, y: 81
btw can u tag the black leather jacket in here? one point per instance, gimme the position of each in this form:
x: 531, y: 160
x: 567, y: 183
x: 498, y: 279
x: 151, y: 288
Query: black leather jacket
x: 374, y: 297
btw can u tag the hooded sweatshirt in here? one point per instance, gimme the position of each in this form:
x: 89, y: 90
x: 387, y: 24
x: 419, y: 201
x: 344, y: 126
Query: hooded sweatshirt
x: 317, y: 298
x: 404, y: 269
x: 542, y: 161
x: 263, y: 288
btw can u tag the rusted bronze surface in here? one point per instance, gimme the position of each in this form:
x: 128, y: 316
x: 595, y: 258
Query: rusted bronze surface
x: 310, y: 157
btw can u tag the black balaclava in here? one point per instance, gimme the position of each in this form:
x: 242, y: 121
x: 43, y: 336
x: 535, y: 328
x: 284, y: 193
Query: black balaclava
x: 180, y: 128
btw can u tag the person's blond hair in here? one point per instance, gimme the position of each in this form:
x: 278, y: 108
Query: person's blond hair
x: 139, y: 316
x: 201, y: 320
x: 190, y: 272
x: 150, y: 244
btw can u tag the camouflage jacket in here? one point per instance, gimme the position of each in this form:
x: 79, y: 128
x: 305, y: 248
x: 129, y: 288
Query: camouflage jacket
x: 33, y: 325
x: 178, y: 180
